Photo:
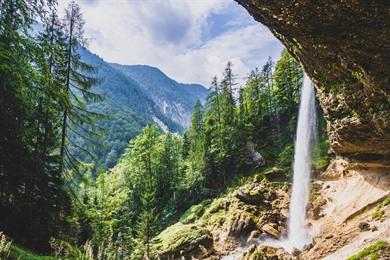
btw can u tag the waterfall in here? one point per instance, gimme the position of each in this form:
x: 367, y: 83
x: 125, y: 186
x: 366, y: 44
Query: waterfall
x: 298, y: 234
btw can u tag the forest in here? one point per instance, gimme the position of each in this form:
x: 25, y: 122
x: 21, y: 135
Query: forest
x: 55, y: 201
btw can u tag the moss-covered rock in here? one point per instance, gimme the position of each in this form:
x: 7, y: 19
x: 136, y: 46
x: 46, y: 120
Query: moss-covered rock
x: 213, y: 229
x: 376, y: 251
x: 183, y: 240
x: 266, y: 253
x: 194, y: 213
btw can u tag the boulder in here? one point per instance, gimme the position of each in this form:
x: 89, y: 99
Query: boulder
x: 270, y: 230
x: 296, y: 252
x: 241, y: 225
x: 254, y: 199
x: 255, y: 234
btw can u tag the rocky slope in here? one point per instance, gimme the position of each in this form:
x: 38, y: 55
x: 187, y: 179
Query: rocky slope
x: 344, y: 47
x: 349, y: 210
x: 228, y: 225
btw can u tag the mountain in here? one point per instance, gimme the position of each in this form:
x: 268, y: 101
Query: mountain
x: 175, y: 100
x: 135, y: 96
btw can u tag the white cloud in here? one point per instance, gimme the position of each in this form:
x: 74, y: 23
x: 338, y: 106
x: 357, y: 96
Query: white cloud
x: 168, y: 34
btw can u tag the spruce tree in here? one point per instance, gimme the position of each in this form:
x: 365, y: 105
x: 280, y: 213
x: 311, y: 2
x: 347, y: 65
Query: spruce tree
x: 77, y: 118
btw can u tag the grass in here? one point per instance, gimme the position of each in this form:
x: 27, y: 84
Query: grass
x: 371, y: 251
x: 8, y: 250
x: 21, y: 254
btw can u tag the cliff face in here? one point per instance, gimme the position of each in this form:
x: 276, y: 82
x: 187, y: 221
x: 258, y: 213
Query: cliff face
x: 345, y: 48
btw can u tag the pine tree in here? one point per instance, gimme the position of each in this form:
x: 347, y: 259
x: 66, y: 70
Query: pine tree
x: 79, y: 81
x: 28, y: 133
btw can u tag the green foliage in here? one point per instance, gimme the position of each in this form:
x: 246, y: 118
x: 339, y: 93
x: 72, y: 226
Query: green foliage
x: 32, y: 198
x: 18, y: 253
x: 378, y: 214
x: 130, y: 93
x: 371, y: 251
x: 320, y: 158
x: 160, y: 176
x: 45, y: 89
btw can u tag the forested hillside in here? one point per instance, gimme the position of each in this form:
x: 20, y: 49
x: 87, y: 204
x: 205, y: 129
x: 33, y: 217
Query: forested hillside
x: 130, y: 104
x: 161, y: 175
x: 175, y: 100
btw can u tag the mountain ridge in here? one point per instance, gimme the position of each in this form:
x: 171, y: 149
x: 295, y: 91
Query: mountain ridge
x: 131, y: 102
x: 174, y: 99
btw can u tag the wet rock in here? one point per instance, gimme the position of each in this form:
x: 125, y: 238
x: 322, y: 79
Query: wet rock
x: 269, y: 196
x: 190, y: 240
x: 315, y: 211
x: 296, y: 252
x: 254, y: 199
x: 266, y: 253
x: 308, y: 247
x: 241, y: 225
x: 267, y: 228
x: 255, y: 234
x: 284, y: 213
x: 275, y: 173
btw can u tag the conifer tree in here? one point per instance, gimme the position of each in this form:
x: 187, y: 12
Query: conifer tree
x: 79, y: 80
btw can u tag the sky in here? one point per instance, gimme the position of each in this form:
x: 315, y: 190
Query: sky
x: 189, y: 40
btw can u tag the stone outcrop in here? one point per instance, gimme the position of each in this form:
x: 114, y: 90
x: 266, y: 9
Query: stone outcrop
x: 344, y: 47
x: 266, y: 253
x: 215, y: 229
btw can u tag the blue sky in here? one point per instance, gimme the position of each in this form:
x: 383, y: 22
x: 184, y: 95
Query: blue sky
x: 190, y: 40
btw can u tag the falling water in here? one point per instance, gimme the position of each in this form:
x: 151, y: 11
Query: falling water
x: 298, y: 234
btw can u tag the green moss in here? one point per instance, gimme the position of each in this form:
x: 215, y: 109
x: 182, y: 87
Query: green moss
x: 314, y: 191
x: 194, y: 213
x: 220, y: 204
x: 371, y: 251
x: 175, y: 237
x: 276, y: 173
x: 378, y: 214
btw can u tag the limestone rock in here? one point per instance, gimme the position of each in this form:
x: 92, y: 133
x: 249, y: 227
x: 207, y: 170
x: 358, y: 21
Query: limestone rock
x: 267, y: 228
x: 364, y: 226
x: 296, y: 252
x: 241, y: 225
x: 266, y: 253
x: 255, y: 234
x: 254, y: 199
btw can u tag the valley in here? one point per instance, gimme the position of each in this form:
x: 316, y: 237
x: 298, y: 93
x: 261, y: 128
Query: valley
x: 277, y: 146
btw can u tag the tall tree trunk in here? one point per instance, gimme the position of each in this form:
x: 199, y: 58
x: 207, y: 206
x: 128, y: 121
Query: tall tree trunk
x: 65, y: 115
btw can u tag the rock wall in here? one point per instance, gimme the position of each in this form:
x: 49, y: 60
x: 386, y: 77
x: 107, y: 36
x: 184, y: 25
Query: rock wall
x: 344, y: 46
